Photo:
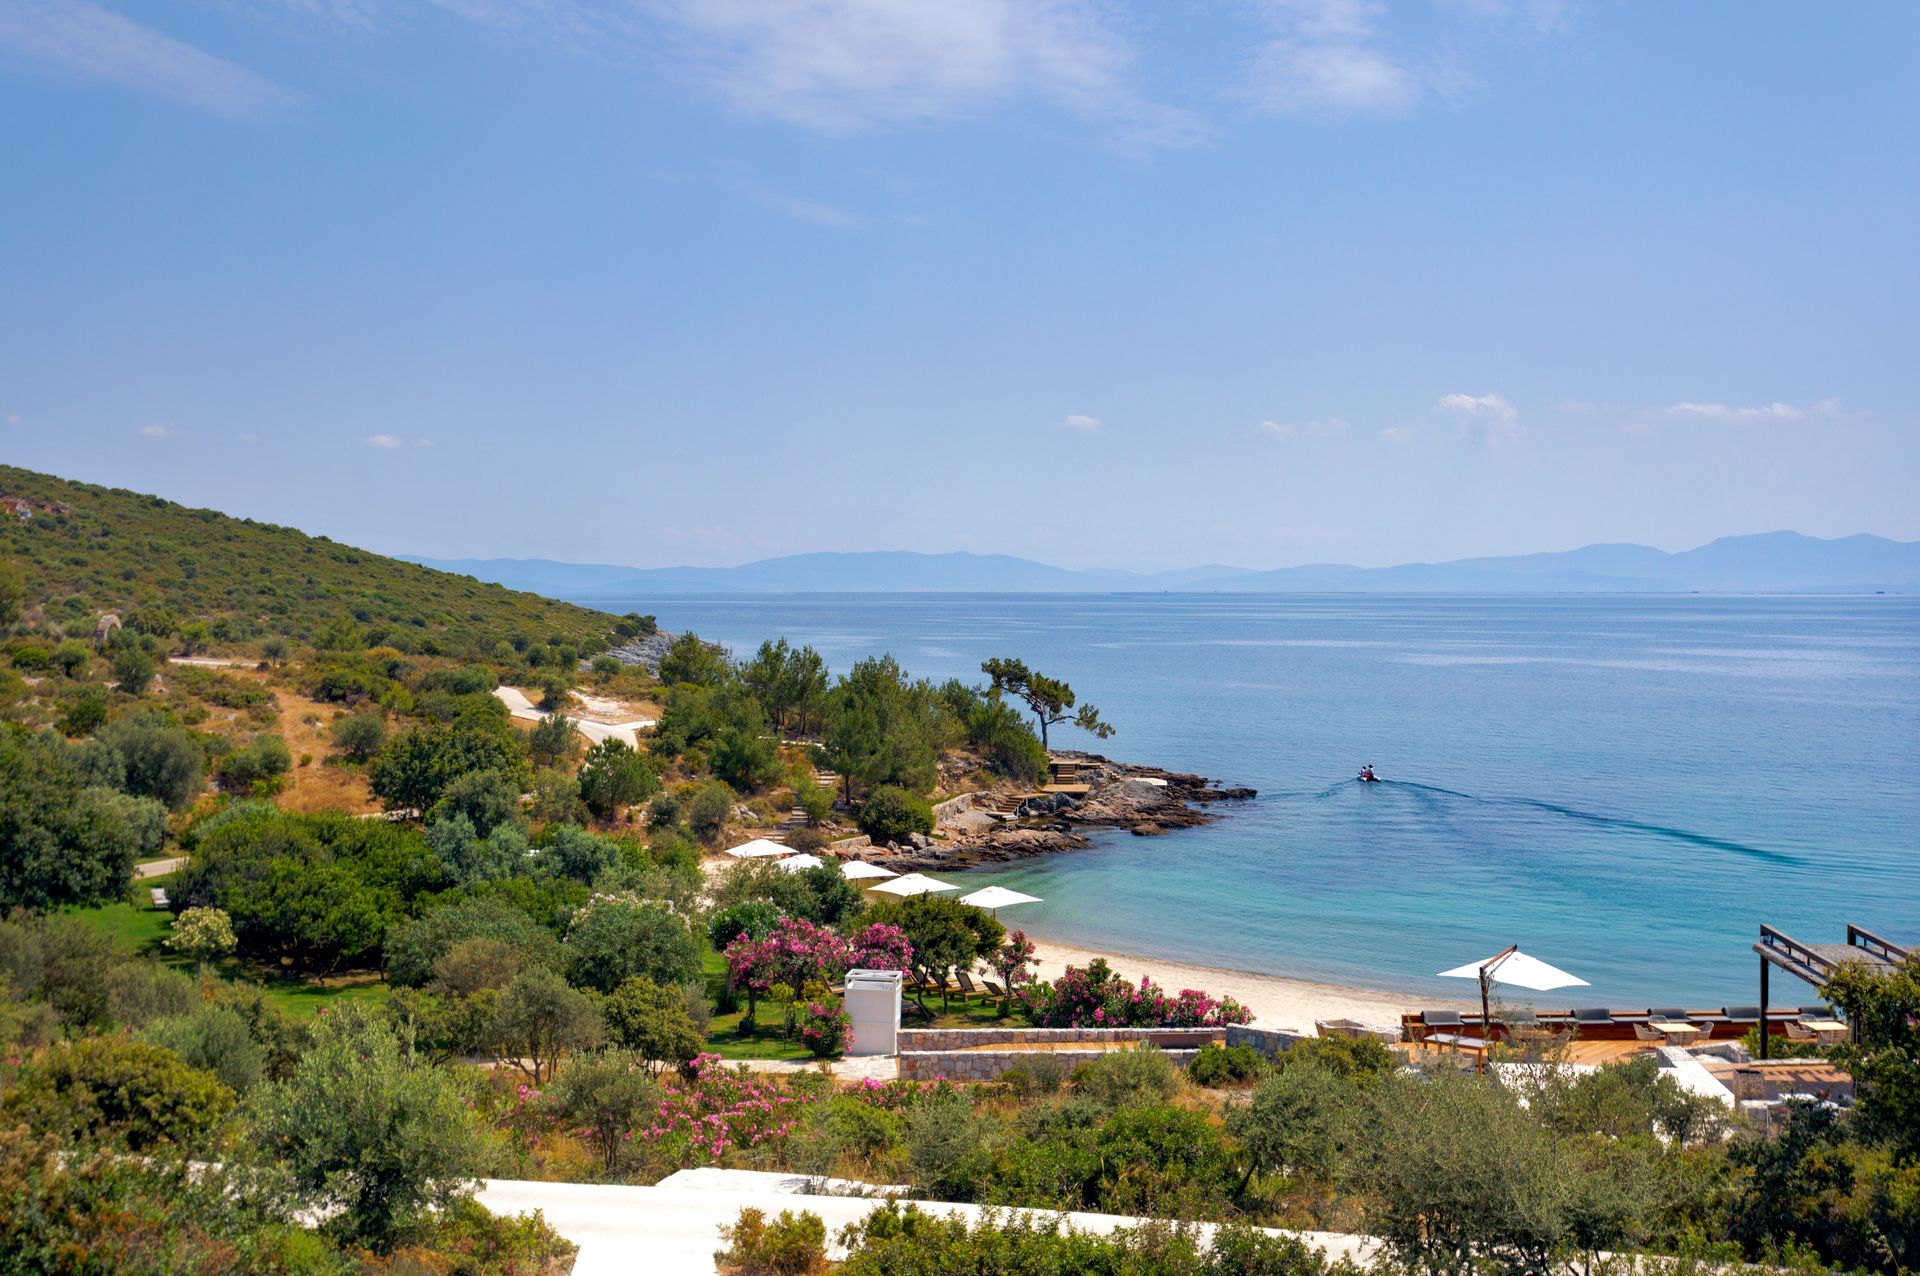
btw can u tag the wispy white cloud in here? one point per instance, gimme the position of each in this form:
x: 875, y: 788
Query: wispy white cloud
x: 166, y: 431
x: 1488, y: 417
x: 1397, y: 433
x: 1082, y: 424
x: 810, y: 211
x: 1329, y: 57
x: 1347, y: 57
x: 850, y: 66
x: 392, y: 442
x: 1759, y: 412
x: 87, y: 40
x: 1489, y: 407
x: 1304, y: 429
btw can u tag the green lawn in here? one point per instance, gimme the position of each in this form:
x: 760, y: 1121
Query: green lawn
x: 725, y: 1038
x: 143, y: 928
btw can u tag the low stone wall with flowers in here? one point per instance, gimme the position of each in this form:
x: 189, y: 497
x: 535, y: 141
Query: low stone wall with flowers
x: 987, y: 1065
x: 967, y: 1054
x: 917, y: 1039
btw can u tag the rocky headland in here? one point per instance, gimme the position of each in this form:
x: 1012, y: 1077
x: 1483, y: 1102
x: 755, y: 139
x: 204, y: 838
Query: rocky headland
x: 1004, y: 823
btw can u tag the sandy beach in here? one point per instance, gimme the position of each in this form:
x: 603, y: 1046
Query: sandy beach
x: 1276, y: 1001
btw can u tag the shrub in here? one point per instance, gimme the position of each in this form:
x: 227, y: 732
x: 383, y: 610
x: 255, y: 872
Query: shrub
x: 708, y: 808
x: 359, y: 735
x: 612, y: 939
x: 413, y: 948
x: 362, y: 1128
x: 1217, y: 1065
x: 825, y: 1028
x: 789, y: 1245
x: 1096, y: 997
x: 653, y: 1022
x: 265, y: 759
x: 755, y: 919
x: 204, y: 934
x: 83, y: 710
x: 891, y: 814
x: 162, y: 761
x: 1118, y: 1078
x: 605, y: 1095
x: 132, y: 669
x: 130, y: 1092
x: 217, y: 1039
x: 898, y: 1238
x: 614, y: 776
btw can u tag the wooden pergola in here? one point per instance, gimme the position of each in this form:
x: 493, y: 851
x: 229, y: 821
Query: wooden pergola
x: 1817, y: 963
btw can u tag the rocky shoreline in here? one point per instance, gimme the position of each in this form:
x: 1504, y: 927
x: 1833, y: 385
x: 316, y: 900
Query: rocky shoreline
x: 996, y: 826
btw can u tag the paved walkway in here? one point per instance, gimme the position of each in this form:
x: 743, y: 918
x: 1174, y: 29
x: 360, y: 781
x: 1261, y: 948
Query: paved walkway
x: 674, y: 1226
x: 880, y: 1067
x: 628, y: 733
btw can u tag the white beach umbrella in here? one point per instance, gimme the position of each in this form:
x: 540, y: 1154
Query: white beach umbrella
x: 1511, y: 966
x: 758, y: 848
x: 997, y: 897
x: 860, y: 871
x: 912, y: 884
x: 794, y: 863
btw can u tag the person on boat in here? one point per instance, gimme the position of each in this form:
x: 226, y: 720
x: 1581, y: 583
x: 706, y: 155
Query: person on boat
x: 1366, y: 773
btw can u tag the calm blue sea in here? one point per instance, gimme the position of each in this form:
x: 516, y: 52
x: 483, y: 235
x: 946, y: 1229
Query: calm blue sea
x: 1625, y: 786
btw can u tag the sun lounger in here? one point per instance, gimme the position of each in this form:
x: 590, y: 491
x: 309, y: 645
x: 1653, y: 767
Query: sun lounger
x: 1741, y: 1017
x: 995, y: 989
x: 1445, y: 1020
x: 159, y: 896
x: 967, y: 988
x: 1592, y: 1017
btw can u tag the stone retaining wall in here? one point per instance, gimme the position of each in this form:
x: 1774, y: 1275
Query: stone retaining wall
x: 961, y: 1054
x: 986, y: 1065
x: 961, y: 1038
x: 1268, y: 1041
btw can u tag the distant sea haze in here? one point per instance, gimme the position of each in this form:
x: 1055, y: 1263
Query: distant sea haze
x: 1771, y: 562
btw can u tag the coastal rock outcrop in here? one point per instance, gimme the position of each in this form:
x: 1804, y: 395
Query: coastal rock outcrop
x: 1010, y: 823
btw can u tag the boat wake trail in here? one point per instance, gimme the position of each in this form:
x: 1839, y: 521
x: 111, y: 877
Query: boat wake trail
x: 1612, y: 823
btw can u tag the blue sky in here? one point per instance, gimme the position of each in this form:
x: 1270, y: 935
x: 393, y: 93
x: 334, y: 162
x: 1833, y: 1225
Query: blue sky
x: 1127, y: 283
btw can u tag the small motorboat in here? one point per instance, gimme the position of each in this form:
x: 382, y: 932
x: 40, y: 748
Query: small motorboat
x: 1367, y: 776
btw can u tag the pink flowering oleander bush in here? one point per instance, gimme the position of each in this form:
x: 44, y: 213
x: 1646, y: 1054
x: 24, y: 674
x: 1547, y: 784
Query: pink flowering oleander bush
x: 1013, y: 961
x: 825, y: 1029
x: 735, y: 1117
x: 1096, y: 997
x: 796, y: 953
x: 881, y: 946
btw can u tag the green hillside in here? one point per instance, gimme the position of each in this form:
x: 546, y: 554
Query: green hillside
x: 86, y: 550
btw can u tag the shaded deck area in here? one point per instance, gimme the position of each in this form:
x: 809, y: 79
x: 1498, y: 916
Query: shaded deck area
x: 1816, y: 964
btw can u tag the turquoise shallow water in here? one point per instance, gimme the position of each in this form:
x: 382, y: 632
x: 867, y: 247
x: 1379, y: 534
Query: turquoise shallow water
x: 1627, y: 787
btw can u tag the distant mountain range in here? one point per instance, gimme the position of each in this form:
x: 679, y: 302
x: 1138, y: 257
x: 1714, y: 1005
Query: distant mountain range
x: 1771, y: 562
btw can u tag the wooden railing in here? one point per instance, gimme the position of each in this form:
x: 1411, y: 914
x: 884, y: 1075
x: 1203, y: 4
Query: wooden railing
x: 1887, y: 951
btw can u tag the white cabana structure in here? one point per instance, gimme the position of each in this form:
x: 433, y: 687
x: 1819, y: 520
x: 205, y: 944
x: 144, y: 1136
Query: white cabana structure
x: 1511, y: 966
x: 991, y: 897
x: 861, y: 871
x: 795, y: 863
x: 912, y: 884
x: 758, y: 849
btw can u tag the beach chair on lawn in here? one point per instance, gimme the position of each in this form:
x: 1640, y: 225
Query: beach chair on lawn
x: 993, y: 990
x: 967, y: 986
x: 159, y: 896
